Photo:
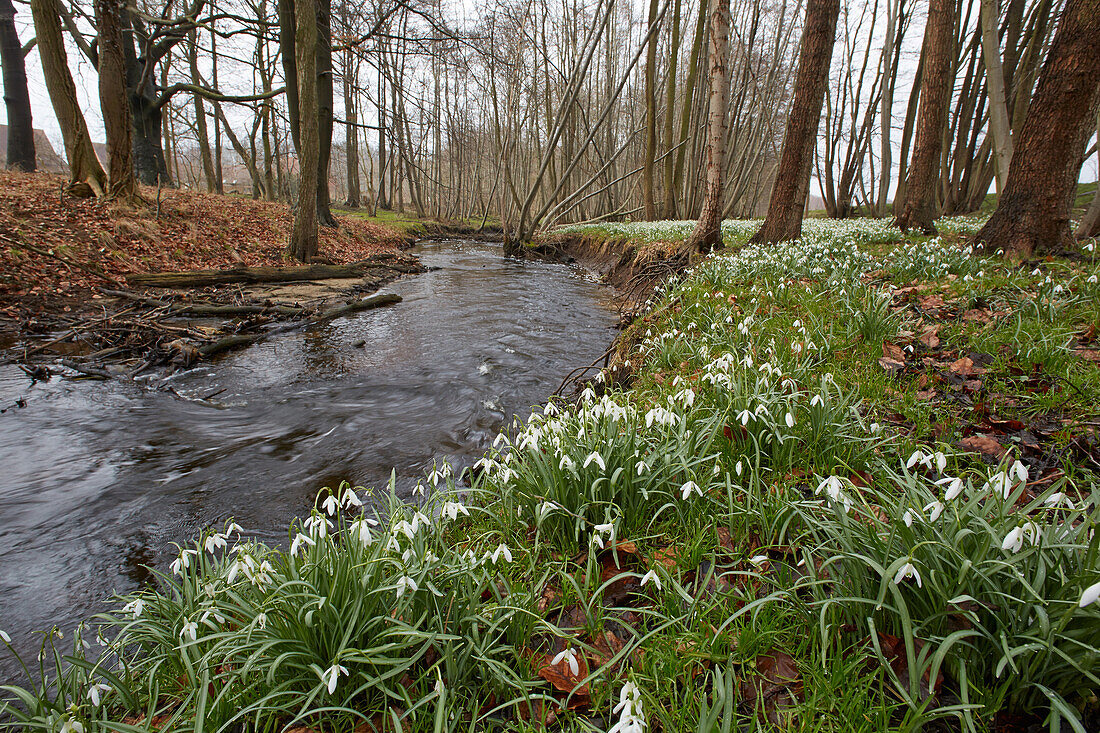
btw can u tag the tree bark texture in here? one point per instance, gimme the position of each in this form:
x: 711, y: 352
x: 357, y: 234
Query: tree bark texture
x: 792, y: 183
x: 84, y: 167
x: 17, y: 100
x: 919, y: 208
x: 1033, y: 212
x: 303, y: 237
x: 707, y: 234
x: 113, y: 97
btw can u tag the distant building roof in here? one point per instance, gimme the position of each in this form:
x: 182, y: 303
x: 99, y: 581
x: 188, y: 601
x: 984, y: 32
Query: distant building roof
x: 47, y: 158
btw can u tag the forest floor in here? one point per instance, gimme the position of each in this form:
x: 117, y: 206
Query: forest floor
x: 188, y: 230
x: 67, y: 269
x: 842, y: 484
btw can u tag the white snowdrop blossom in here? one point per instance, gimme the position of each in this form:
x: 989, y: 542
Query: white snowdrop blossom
x: 570, y: 658
x: 215, y: 542
x: 594, y: 456
x: 687, y: 489
x: 4, y: 637
x: 906, y: 571
x: 954, y: 487
x: 1090, y: 596
x: 317, y: 526
x: 502, y: 551
x: 652, y: 576
x: 566, y: 463
x: 1000, y: 484
x: 545, y: 508
x: 351, y: 499
x: 330, y: 504
x: 641, y: 467
x: 452, y: 509
x: 182, y: 562
x: 1058, y: 499
x: 360, y: 530
x: 629, y: 709
x: 95, y: 691
x: 934, y: 509
x: 1014, y: 540
x: 300, y: 542
x: 405, y: 583
x: 72, y: 725
x: 601, y: 530
x: 134, y: 607
x: 191, y: 629
x: 331, y: 675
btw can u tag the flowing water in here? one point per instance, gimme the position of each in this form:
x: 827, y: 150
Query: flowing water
x: 97, y: 479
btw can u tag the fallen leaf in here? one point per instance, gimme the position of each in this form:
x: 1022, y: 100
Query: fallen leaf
x: 966, y: 367
x: 892, y: 366
x: 983, y: 444
x: 892, y: 351
x: 930, y: 337
x: 776, y: 687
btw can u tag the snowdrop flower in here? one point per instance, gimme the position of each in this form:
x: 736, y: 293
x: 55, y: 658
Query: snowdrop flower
x: 4, y: 637
x: 907, y: 517
x: 831, y: 487
x: 594, y: 456
x: 919, y: 457
x: 566, y: 463
x: 351, y: 499
x: 738, y: 468
x: 1058, y: 499
x: 686, y: 489
x: 790, y: 420
x: 1019, y: 470
x: 317, y: 526
x: 183, y: 561
x: 1014, y: 540
x: 361, y: 532
x: 641, y: 467
x: 744, y: 416
x: 954, y: 487
x: 72, y: 725
x: 570, y: 657
x: 261, y: 620
x: 330, y: 504
x: 234, y: 528
x: 631, y: 716
x: 300, y: 541
x: 215, y: 542
x: 405, y: 583
x: 501, y: 551
x: 330, y: 676
x: 545, y: 508
x: 935, y: 509
x: 601, y: 530
x: 908, y: 570
x: 190, y: 628
x: 453, y: 508
x: 134, y: 608
x: 817, y: 401
x: 999, y: 484
x: 404, y: 528
x: 758, y: 560
x: 652, y: 576
x: 1090, y: 596
x: 94, y: 692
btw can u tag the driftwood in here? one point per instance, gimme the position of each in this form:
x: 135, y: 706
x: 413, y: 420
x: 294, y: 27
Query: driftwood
x: 203, y: 278
x: 207, y: 309
x: 236, y: 340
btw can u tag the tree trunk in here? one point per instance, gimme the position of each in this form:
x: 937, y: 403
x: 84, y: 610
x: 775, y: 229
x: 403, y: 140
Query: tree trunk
x: 324, y: 109
x: 303, y: 237
x: 922, y: 183
x: 995, y: 84
x: 351, y: 131
x: 670, y: 116
x: 113, y: 100
x: 84, y: 167
x: 1033, y: 213
x: 708, y: 229
x: 200, y: 116
x: 792, y: 183
x: 17, y: 100
x: 650, y: 118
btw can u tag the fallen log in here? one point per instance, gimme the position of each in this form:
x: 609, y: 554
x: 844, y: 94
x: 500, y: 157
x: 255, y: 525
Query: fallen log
x: 236, y: 340
x: 207, y: 309
x: 262, y: 274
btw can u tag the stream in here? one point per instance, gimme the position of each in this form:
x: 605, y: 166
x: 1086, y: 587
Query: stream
x: 98, y: 479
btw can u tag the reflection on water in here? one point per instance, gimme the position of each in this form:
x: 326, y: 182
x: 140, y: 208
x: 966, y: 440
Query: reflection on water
x: 98, y: 478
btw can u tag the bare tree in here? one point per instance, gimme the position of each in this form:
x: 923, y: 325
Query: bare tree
x: 303, y: 237
x: 708, y: 229
x: 919, y: 207
x: 17, y: 99
x: 792, y: 184
x: 1033, y: 213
